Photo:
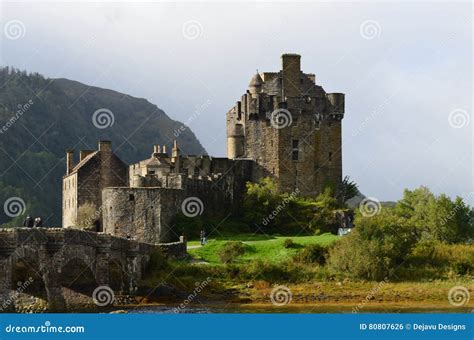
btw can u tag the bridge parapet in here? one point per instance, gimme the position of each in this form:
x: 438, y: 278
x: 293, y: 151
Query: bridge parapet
x: 50, y: 250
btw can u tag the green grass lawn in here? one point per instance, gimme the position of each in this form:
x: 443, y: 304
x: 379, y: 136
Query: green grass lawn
x: 259, y: 247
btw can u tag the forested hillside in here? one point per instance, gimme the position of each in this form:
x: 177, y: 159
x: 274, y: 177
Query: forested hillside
x: 40, y: 118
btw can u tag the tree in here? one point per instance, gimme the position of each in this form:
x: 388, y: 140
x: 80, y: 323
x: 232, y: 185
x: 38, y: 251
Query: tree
x: 375, y: 248
x: 436, y: 217
x: 347, y: 190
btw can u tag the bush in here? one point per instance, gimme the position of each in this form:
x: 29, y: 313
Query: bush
x: 157, y: 262
x: 312, y: 254
x: 231, y: 251
x: 288, y: 243
x: 374, y: 249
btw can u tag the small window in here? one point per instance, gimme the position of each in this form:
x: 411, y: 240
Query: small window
x: 330, y: 156
x: 196, y: 171
x: 295, y: 150
x: 151, y: 172
x: 131, y: 197
x: 294, y: 155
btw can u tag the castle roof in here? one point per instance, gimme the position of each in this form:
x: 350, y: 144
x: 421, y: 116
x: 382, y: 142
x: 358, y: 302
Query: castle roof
x: 256, y: 80
x: 155, y: 161
x: 84, y: 161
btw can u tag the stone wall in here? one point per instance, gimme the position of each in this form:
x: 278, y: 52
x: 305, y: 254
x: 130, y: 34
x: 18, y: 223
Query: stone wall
x: 144, y: 214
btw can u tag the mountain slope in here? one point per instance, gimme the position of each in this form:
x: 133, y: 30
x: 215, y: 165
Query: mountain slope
x: 40, y: 118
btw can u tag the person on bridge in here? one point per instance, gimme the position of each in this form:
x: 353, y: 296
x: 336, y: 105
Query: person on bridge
x: 38, y: 222
x: 28, y: 223
x: 203, y: 237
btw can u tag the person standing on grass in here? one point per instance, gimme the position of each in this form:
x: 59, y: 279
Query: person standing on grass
x: 203, y: 237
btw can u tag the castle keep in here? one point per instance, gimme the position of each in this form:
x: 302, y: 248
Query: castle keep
x: 290, y: 127
x: 285, y: 126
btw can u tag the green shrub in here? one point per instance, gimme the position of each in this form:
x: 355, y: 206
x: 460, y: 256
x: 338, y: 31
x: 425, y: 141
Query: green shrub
x: 312, y: 254
x: 374, y: 249
x: 231, y: 251
x: 288, y: 243
x: 157, y: 262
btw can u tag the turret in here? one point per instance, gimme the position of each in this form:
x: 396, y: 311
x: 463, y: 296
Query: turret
x: 255, y: 85
x: 235, y: 142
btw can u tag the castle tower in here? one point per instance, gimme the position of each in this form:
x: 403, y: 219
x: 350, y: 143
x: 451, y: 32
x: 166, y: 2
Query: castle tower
x: 290, y: 127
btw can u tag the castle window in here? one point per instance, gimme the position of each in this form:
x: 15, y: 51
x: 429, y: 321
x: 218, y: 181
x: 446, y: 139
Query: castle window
x: 196, y: 171
x: 131, y: 197
x: 330, y: 156
x: 295, y: 149
x: 151, y: 172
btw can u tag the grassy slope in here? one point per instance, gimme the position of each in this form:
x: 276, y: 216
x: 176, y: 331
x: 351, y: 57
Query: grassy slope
x: 259, y: 247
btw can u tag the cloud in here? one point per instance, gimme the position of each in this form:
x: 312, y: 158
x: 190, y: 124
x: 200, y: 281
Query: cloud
x: 412, y: 73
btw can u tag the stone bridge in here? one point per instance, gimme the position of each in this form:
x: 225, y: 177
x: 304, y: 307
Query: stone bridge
x: 49, y: 260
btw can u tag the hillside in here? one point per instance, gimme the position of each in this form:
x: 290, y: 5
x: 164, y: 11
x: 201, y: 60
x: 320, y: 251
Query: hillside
x: 40, y: 118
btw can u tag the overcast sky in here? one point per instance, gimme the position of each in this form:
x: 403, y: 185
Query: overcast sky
x: 406, y: 70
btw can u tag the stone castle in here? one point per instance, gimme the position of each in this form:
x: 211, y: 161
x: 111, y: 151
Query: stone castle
x: 285, y: 127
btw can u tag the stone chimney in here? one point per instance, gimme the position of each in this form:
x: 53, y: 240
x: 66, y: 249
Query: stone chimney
x: 291, y: 73
x: 69, y: 161
x: 175, y: 157
x: 105, y: 145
